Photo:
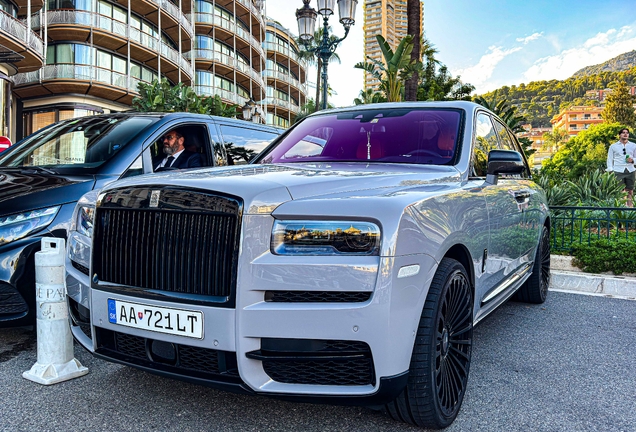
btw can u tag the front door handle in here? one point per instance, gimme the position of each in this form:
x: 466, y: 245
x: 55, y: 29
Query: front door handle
x: 522, y: 196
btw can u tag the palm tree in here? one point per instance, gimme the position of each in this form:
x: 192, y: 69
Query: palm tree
x: 414, y: 28
x: 368, y: 96
x: 395, y: 70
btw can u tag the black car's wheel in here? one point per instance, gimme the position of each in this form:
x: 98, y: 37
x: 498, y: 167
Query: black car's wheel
x: 535, y: 289
x: 438, y: 373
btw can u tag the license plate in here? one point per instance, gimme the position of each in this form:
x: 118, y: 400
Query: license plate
x: 158, y: 319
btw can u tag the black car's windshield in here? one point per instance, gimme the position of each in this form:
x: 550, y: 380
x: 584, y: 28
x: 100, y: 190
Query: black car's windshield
x: 404, y: 135
x: 86, y: 142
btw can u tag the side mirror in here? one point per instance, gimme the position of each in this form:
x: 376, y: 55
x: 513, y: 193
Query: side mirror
x: 503, y: 162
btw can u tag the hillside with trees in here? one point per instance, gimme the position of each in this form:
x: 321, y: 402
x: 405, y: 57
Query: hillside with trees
x: 539, y: 101
x: 620, y: 63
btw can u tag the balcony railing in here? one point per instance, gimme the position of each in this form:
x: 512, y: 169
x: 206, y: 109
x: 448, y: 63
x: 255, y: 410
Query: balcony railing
x: 271, y: 46
x: 203, y: 90
x: 283, y: 104
x: 231, y: 27
x: 286, y: 78
x: 20, y: 31
x: 226, y: 60
x: 174, y: 11
x: 78, y: 72
x: 115, y: 27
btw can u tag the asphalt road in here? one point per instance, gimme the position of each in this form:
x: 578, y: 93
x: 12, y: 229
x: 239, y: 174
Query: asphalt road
x: 567, y: 365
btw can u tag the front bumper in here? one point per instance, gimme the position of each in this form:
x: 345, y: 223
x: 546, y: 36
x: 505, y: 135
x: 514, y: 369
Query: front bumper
x: 247, y: 347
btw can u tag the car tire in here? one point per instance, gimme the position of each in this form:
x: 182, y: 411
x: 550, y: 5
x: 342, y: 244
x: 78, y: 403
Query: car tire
x: 440, y: 361
x: 535, y: 288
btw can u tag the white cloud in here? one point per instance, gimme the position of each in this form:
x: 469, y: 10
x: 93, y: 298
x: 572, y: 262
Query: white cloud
x: 530, y: 38
x: 479, y: 74
x: 600, y: 39
x: 595, y: 50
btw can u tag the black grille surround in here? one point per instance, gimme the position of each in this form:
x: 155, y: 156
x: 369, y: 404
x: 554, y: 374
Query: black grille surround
x: 171, y: 242
x: 317, y: 296
x: 320, y: 362
x: 186, y: 361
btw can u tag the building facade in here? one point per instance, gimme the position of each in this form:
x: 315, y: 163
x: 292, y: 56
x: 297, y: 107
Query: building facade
x: 285, y: 74
x: 22, y: 50
x: 389, y: 19
x: 577, y: 118
x: 98, y: 51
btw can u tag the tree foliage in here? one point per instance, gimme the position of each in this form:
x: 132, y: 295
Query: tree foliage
x: 436, y: 82
x: 619, y: 106
x: 161, y: 96
x: 369, y: 96
x: 583, y: 153
x: 396, y: 68
x: 539, y: 101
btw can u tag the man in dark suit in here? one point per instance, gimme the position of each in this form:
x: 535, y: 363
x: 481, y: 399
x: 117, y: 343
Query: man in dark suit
x: 175, y: 154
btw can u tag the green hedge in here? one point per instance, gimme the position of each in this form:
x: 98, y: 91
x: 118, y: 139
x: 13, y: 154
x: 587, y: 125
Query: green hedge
x: 617, y: 256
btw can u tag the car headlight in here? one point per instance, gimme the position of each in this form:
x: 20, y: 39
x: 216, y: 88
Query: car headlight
x: 17, y: 226
x: 81, y: 232
x: 325, y: 238
x: 84, y: 221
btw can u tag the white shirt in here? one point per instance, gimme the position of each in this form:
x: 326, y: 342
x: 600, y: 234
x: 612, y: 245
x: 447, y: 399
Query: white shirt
x: 616, y: 157
x: 165, y: 160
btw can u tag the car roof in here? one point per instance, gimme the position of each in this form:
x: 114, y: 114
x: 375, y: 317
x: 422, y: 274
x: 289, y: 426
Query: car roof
x: 465, y: 105
x: 185, y: 116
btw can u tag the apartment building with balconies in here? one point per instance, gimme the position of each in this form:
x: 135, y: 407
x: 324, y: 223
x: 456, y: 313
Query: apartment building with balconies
x: 577, y: 118
x: 389, y: 19
x: 286, y: 76
x: 21, y: 51
x: 94, y: 53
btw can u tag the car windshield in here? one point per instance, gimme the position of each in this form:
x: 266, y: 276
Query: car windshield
x: 86, y: 142
x: 403, y: 135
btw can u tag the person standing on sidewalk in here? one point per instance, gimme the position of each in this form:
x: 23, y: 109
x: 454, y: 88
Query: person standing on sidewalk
x: 620, y: 161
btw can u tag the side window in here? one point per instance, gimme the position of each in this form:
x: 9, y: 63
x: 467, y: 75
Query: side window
x: 242, y: 144
x: 192, y: 139
x: 485, y: 140
x: 220, y: 156
x: 505, y: 142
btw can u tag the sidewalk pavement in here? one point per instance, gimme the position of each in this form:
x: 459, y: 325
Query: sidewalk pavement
x: 567, y: 278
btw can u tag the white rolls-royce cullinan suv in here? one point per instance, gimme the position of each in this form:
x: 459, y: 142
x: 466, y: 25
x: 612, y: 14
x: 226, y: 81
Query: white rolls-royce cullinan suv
x: 348, y: 263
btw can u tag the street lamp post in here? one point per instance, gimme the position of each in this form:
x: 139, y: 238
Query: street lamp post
x: 250, y: 112
x: 306, y: 17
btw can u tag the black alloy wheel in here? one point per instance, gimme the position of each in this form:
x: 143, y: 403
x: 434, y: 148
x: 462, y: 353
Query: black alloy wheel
x: 441, y: 356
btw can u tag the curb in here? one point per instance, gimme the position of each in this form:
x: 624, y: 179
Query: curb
x: 586, y: 283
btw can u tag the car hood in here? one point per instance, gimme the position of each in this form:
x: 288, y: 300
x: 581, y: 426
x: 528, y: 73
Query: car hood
x: 264, y: 187
x: 22, y: 192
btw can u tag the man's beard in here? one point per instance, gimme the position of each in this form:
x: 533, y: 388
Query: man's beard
x: 169, y: 150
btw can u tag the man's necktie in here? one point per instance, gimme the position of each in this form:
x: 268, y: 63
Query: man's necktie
x: 169, y: 162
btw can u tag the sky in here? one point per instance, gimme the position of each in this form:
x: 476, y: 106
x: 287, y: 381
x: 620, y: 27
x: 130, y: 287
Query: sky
x: 493, y: 43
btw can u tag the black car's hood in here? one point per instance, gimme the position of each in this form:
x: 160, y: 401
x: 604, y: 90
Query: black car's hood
x: 20, y: 191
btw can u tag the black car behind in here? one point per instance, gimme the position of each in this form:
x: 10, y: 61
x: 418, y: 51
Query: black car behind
x: 43, y: 176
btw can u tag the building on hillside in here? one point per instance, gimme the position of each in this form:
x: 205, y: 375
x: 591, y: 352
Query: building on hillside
x: 600, y: 95
x: 387, y: 18
x: 577, y: 118
x: 536, y: 136
x: 22, y: 50
x: 98, y: 51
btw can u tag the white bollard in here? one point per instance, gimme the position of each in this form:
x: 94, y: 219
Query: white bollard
x: 56, y: 360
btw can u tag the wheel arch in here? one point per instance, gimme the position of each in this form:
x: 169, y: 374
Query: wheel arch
x: 460, y: 253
